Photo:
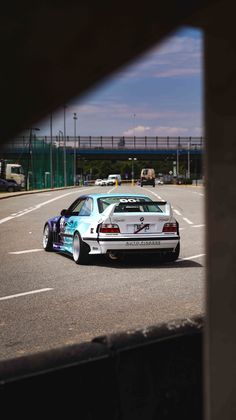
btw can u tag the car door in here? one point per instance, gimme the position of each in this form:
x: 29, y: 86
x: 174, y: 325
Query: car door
x: 78, y: 218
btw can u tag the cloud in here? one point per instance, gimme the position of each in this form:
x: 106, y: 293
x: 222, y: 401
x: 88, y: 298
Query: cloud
x: 163, y: 131
x: 138, y: 131
x: 178, y: 56
x: 178, y: 72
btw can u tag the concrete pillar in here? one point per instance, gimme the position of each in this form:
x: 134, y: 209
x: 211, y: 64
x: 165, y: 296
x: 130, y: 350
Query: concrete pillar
x: 220, y: 121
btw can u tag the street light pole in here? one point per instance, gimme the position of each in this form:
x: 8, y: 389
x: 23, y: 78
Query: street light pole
x: 132, y: 160
x: 134, y: 129
x: 51, y: 169
x: 75, y: 118
x: 177, y: 162
x: 65, y: 175
x: 189, y: 159
x: 30, y: 158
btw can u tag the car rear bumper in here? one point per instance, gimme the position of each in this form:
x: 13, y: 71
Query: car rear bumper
x: 132, y: 244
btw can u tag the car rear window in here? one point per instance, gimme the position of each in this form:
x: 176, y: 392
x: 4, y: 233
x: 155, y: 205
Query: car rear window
x: 129, y: 204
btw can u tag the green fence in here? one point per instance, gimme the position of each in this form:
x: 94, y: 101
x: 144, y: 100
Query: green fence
x: 46, y: 164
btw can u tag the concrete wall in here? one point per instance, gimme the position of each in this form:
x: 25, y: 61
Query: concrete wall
x: 148, y: 374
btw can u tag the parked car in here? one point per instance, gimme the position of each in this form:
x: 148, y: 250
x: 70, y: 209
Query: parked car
x: 98, y: 181
x: 114, y: 225
x: 101, y: 182
x: 9, y: 186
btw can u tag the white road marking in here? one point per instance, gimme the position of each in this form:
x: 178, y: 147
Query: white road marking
x: 25, y: 252
x: 6, y: 219
x: 26, y: 293
x: 187, y: 221
x: 196, y: 226
x: 191, y: 258
x: 158, y: 196
x: 177, y: 212
x: 108, y: 192
x: 194, y: 192
x: 38, y: 206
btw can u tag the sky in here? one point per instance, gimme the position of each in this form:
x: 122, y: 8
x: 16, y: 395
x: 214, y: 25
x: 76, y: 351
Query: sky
x: 160, y: 94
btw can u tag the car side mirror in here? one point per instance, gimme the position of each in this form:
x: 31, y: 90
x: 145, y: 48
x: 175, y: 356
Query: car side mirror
x: 63, y: 212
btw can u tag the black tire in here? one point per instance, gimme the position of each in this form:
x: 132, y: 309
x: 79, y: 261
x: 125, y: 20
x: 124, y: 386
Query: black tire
x: 141, y: 184
x: 172, y: 256
x: 80, y: 250
x: 47, y: 238
x: 11, y: 189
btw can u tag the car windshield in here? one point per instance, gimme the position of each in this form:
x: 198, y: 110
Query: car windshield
x: 128, y: 204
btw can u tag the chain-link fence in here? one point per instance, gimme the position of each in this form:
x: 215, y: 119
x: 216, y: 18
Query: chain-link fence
x: 46, y: 163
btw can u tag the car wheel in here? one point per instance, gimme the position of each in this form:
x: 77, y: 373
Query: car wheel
x: 172, y: 256
x: 141, y: 184
x: 114, y: 256
x: 79, y: 250
x: 10, y: 189
x: 47, y: 238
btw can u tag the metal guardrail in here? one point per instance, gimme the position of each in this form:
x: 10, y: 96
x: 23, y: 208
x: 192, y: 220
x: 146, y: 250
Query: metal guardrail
x: 111, y: 143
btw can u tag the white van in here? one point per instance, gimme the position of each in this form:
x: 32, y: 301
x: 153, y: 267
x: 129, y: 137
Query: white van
x: 111, y: 180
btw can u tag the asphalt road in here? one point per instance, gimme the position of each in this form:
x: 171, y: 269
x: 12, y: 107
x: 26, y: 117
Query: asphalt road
x: 48, y: 301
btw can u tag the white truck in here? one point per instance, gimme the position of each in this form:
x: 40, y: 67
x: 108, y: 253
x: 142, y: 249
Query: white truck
x: 12, y: 172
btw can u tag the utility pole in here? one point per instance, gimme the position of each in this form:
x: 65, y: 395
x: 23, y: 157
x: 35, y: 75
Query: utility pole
x: 51, y: 162
x: 189, y: 159
x: 75, y: 119
x: 65, y: 169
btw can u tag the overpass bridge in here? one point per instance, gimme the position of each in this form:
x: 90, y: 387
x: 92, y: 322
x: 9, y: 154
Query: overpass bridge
x: 56, y: 160
x: 100, y: 147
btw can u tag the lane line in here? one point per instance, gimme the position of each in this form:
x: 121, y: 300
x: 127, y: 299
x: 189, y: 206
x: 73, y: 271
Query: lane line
x: 158, y: 196
x: 108, y: 192
x: 196, y: 226
x: 194, y: 192
x: 25, y: 252
x: 187, y: 221
x: 177, y: 212
x: 6, y: 219
x: 26, y: 293
x: 191, y: 258
x: 38, y: 206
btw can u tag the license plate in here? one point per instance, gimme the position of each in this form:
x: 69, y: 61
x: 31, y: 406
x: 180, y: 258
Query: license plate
x: 141, y: 228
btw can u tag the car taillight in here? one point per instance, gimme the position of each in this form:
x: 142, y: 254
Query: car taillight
x: 109, y: 228
x: 169, y: 227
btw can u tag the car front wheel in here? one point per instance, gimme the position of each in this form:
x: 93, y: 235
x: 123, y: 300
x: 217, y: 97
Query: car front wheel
x: 47, y: 238
x: 79, y: 250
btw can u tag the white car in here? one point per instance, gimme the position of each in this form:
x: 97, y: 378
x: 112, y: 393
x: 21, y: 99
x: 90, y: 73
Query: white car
x: 114, y: 225
x: 100, y: 182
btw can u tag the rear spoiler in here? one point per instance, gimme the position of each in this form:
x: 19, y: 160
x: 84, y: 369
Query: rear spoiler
x: 110, y: 209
